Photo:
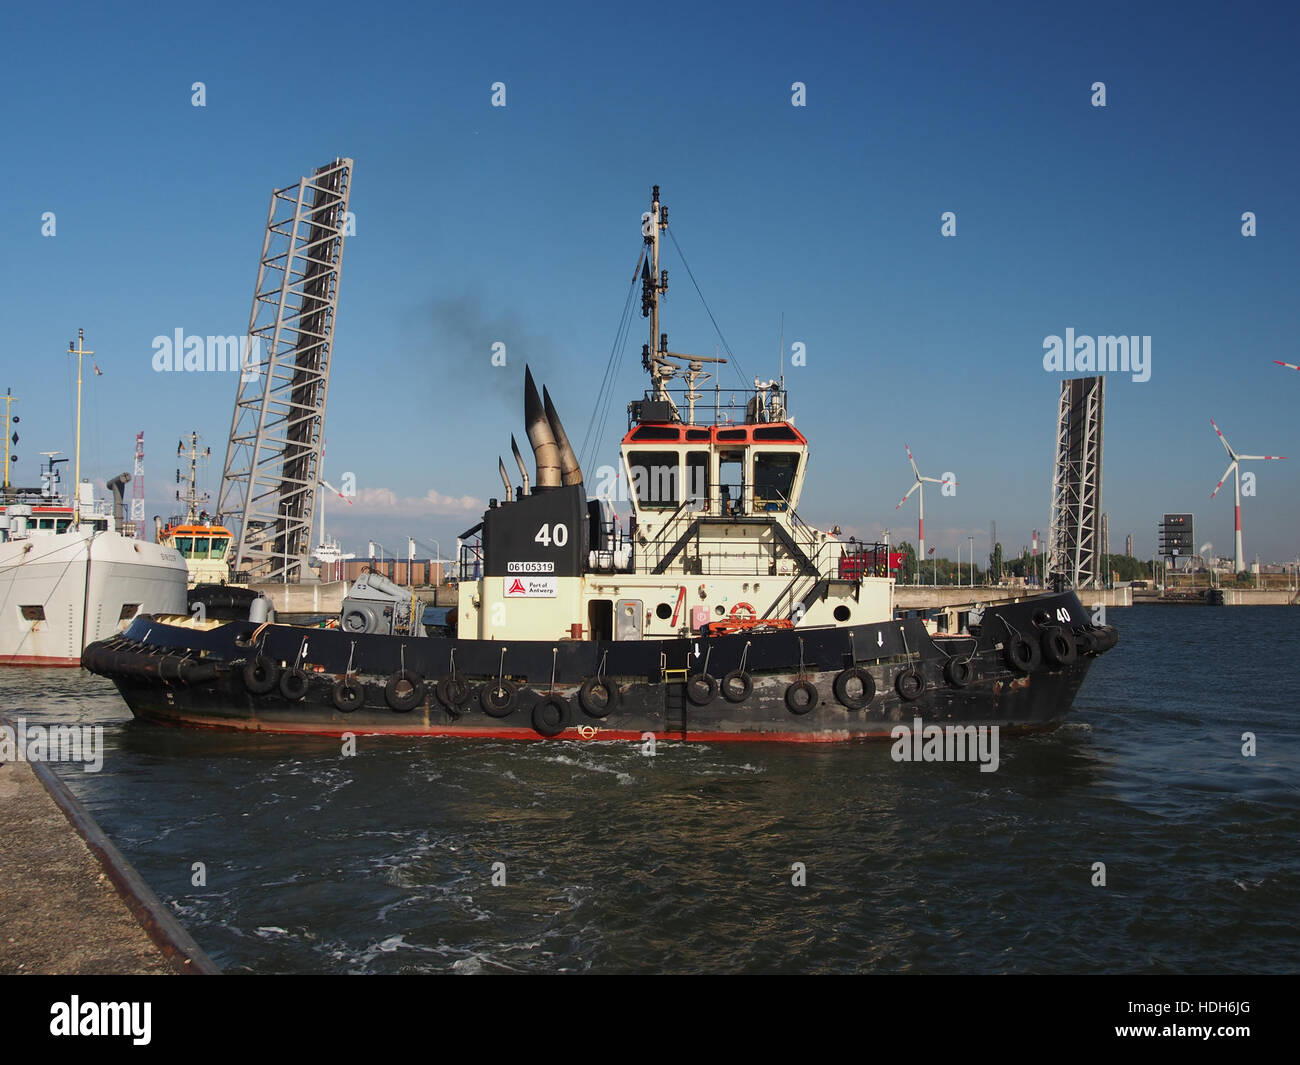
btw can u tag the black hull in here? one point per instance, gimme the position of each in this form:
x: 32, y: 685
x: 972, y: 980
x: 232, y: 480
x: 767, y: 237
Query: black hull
x: 215, y: 678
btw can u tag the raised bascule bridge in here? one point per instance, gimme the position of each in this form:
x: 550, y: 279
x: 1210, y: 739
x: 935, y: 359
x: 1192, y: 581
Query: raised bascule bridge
x: 270, y: 486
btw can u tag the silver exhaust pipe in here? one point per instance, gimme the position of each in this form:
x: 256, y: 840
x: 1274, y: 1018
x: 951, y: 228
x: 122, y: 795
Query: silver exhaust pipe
x: 545, y: 450
x: 510, y: 492
x: 570, y: 471
x: 523, y: 470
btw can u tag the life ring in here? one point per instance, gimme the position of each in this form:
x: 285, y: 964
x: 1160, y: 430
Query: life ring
x: 260, y: 675
x: 551, y: 714
x: 404, y: 691
x: 737, y: 686
x: 958, y: 672
x: 293, y: 684
x: 841, y: 688
x: 498, y: 698
x: 701, y: 689
x: 750, y: 614
x: 452, y: 692
x: 728, y: 626
x: 1022, y: 653
x: 909, y: 684
x: 597, y: 696
x: 1059, y: 647
x: 800, y: 697
x: 347, y: 694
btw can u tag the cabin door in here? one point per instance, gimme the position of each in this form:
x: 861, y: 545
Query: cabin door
x: 629, y: 619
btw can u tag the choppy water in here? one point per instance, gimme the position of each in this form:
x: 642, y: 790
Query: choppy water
x: 615, y: 861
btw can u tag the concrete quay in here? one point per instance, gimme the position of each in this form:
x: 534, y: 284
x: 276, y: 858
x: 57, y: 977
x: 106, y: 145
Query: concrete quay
x: 70, y: 903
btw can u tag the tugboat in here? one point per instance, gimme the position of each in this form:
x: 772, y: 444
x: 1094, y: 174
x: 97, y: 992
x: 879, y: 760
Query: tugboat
x: 716, y: 613
x: 204, y: 544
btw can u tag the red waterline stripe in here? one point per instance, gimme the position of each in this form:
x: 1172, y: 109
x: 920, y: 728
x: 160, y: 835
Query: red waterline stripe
x: 39, y: 660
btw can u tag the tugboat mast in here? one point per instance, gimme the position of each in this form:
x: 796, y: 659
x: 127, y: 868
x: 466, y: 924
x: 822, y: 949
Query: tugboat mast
x: 655, y: 356
x: 10, y: 399
x: 80, y: 351
x: 193, y: 497
x: 653, y: 284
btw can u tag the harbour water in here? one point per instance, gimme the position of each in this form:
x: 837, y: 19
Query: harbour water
x: 690, y: 859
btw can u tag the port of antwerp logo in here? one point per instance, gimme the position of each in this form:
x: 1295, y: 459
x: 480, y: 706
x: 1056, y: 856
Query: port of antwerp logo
x: 531, y: 587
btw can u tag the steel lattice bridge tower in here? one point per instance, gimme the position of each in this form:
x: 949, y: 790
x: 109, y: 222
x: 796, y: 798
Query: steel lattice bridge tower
x: 270, y: 484
x: 1074, y: 543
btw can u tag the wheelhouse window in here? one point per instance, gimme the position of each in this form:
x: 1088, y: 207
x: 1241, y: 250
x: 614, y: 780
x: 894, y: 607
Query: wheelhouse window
x: 219, y: 545
x: 731, y: 481
x: 185, y: 545
x: 697, y: 476
x: 655, y: 479
x: 774, y: 473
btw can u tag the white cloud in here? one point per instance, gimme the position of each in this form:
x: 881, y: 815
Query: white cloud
x: 386, y: 501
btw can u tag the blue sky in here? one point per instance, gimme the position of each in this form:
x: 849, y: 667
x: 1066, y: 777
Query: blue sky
x: 520, y: 224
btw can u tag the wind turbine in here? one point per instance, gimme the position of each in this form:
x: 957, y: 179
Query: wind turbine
x: 919, y: 486
x: 1235, y: 470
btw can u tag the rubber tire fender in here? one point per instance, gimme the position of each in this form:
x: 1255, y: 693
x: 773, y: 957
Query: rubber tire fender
x: 1022, y: 654
x: 740, y: 677
x: 293, y: 684
x: 591, y: 702
x: 260, y: 675
x: 404, y: 702
x: 498, y: 698
x: 1059, y: 648
x: 169, y: 668
x: 551, y: 714
x: 347, y: 694
x: 841, y: 688
x: 452, y: 692
x: 958, y: 672
x: 909, y: 684
x: 697, y: 696
x: 195, y: 671
x: 794, y: 704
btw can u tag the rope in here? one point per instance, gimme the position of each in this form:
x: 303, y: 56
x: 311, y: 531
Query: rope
x: 604, y: 398
x: 731, y: 355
